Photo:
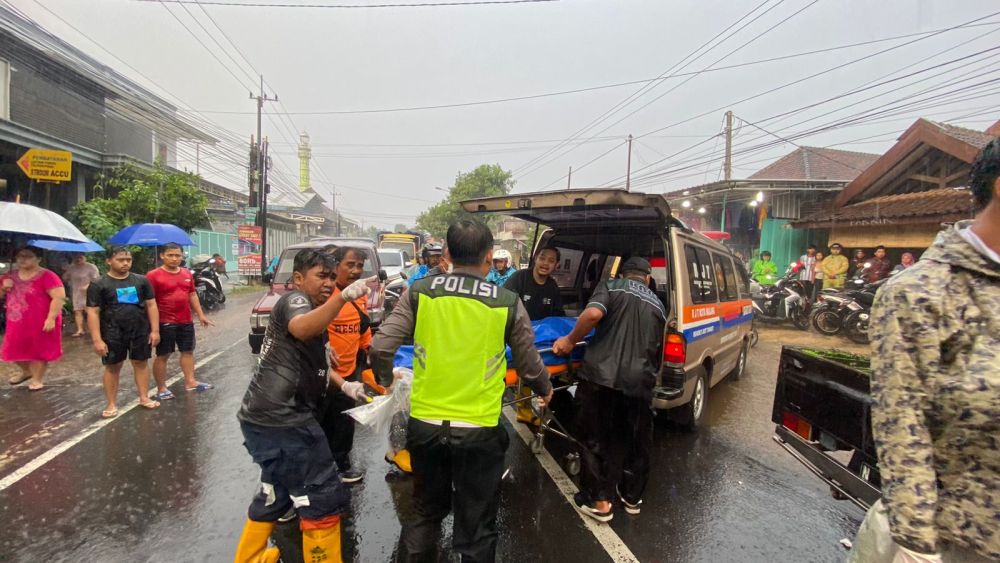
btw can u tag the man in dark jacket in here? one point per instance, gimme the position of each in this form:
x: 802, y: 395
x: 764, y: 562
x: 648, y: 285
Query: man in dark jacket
x: 617, y: 380
x: 879, y: 266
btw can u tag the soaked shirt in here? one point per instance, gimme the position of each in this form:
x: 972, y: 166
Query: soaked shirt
x: 627, y: 349
x: 290, y: 379
x: 935, y: 331
x: 122, y: 301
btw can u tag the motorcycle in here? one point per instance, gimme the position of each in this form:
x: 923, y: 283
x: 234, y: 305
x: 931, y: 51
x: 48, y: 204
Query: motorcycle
x: 208, y: 285
x: 848, y: 311
x: 785, y: 300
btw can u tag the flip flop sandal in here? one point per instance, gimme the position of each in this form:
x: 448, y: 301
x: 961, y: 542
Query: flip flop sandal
x: 165, y: 396
x: 39, y: 388
x: 109, y: 414
x: 150, y: 405
x: 17, y: 381
x: 201, y: 387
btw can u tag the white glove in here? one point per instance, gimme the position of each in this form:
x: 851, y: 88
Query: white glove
x: 904, y: 555
x: 354, y: 390
x: 358, y: 288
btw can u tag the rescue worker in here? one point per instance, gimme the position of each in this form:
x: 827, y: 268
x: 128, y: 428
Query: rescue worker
x: 432, y: 258
x: 765, y: 272
x: 616, y: 382
x: 460, y: 325
x: 935, y: 331
x: 350, y: 336
x: 502, y: 269
x: 278, y: 417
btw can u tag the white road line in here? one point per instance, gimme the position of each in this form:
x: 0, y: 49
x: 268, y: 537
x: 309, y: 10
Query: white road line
x: 49, y: 455
x: 605, y: 535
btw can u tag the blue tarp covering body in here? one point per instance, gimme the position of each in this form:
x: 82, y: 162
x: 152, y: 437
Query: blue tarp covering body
x: 546, y: 333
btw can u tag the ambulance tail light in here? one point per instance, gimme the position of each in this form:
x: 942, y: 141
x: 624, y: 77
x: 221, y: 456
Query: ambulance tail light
x: 674, y: 349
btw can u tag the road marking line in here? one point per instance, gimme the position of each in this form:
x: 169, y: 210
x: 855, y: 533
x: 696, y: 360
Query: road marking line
x: 603, y: 533
x: 49, y: 455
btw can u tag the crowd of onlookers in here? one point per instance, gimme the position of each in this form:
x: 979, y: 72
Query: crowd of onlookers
x: 832, y: 269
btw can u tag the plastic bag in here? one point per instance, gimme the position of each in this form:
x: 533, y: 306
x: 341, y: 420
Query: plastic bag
x: 384, y: 412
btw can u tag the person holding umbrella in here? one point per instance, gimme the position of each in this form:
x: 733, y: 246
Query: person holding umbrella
x: 35, y: 298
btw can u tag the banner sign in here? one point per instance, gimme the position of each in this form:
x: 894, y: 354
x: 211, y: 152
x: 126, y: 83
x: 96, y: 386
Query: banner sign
x: 249, y: 264
x: 249, y: 233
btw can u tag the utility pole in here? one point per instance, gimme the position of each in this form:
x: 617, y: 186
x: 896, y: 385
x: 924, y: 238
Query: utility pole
x: 628, y: 169
x: 569, y: 178
x: 259, y: 164
x: 727, y: 167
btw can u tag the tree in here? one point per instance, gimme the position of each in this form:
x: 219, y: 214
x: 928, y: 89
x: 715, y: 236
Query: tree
x: 128, y: 195
x: 399, y: 228
x: 485, y: 181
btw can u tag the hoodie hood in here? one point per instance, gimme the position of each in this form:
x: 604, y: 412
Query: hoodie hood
x: 951, y: 248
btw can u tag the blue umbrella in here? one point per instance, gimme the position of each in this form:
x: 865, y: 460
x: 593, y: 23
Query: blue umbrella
x: 63, y: 246
x: 151, y: 234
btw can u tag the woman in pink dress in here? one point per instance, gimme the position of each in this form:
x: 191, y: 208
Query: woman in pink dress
x: 35, y: 298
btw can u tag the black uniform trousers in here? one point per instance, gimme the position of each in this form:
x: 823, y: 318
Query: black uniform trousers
x: 338, y: 427
x: 606, y: 417
x: 455, y: 469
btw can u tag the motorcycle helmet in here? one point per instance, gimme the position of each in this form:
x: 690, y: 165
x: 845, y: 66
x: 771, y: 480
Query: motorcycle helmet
x: 431, y: 249
x: 502, y: 255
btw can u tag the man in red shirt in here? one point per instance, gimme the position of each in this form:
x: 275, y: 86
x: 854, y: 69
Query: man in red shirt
x: 175, y: 297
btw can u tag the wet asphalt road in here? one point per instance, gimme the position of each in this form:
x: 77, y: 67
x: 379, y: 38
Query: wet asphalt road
x: 173, y: 484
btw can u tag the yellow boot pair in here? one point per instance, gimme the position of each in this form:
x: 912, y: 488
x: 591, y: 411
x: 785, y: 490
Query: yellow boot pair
x: 320, y: 542
x: 253, y: 543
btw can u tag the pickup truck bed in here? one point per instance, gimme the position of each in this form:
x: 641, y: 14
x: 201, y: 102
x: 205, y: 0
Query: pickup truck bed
x: 822, y: 404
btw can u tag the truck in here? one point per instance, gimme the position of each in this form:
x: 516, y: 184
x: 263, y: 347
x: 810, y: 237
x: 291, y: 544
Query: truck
x: 822, y: 411
x: 409, y: 242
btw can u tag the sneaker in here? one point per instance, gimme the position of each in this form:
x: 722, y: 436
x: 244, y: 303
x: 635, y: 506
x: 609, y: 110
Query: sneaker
x: 631, y: 508
x: 289, y: 516
x: 583, y: 505
x: 351, y: 476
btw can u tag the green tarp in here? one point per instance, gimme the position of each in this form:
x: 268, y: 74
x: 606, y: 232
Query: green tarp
x: 787, y: 244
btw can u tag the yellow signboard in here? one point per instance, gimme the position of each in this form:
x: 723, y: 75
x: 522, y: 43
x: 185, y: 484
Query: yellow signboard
x: 47, y: 165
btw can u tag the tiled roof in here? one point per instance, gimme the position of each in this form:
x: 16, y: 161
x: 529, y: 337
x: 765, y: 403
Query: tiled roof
x: 940, y: 202
x: 816, y: 163
x: 978, y: 139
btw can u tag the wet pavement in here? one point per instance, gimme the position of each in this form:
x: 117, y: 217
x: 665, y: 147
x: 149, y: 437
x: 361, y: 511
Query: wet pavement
x: 173, y: 484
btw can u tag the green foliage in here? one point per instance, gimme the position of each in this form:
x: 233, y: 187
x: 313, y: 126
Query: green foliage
x: 129, y: 195
x: 485, y: 181
x: 399, y: 228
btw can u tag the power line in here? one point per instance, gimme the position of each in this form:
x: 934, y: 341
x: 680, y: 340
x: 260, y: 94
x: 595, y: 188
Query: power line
x: 350, y: 6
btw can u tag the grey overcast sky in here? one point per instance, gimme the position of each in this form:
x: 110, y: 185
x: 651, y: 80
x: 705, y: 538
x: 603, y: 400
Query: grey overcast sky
x: 329, y: 60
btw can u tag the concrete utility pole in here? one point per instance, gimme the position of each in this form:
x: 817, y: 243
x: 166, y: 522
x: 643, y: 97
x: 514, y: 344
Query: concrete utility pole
x: 569, y: 178
x: 727, y: 167
x: 259, y: 163
x: 628, y: 168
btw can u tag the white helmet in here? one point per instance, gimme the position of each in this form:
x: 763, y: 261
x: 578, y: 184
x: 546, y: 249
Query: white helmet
x: 502, y: 255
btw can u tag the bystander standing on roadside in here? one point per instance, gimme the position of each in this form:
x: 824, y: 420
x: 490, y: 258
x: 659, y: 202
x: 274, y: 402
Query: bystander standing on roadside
x: 619, y: 371
x: 835, y: 268
x: 857, y: 263
x: 905, y: 262
x: 34, y: 302
x: 935, y: 374
x: 879, y: 266
x: 808, y: 272
x: 78, y: 277
x: 124, y: 324
x: 176, y: 298
x: 817, y: 275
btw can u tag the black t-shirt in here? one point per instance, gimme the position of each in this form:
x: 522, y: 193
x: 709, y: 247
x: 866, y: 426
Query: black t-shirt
x: 122, y: 301
x: 625, y: 352
x: 290, y: 380
x: 540, y: 301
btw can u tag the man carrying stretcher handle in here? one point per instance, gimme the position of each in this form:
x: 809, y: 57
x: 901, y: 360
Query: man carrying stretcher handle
x: 460, y: 326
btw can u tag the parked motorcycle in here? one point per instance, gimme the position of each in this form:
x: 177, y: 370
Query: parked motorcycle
x: 848, y: 310
x: 208, y: 285
x: 785, y: 300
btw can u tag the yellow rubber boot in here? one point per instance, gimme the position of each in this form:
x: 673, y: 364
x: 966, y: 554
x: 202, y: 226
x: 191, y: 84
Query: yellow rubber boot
x: 321, y: 540
x: 524, y: 412
x: 253, y: 543
x: 402, y: 460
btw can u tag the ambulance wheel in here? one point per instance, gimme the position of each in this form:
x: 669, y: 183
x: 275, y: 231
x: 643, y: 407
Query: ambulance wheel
x: 538, y: 444
x: 573, y: 464
x: 741, y: 362
x: 693, y: 413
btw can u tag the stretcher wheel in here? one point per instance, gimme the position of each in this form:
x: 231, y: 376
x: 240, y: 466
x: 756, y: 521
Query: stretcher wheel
x: 573, y: 464
x: 538, y: 444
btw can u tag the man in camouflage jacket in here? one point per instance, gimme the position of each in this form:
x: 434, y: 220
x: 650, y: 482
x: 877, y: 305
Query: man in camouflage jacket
x: 936, y: 385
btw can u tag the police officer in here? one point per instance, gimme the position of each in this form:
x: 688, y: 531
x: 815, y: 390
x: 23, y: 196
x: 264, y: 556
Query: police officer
x: 460, y: 325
